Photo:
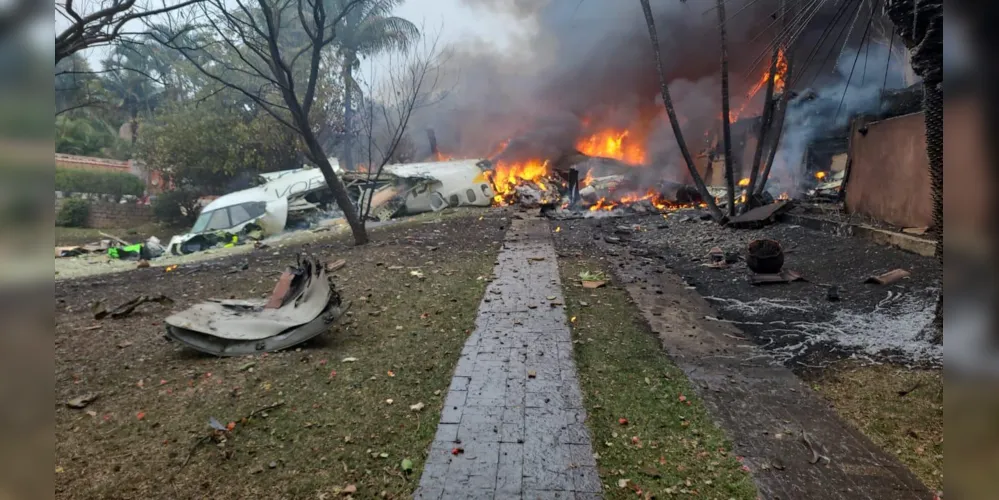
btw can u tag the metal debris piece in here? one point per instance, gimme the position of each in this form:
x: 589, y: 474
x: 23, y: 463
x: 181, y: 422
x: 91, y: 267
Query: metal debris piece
x: 760, y: 216
x: 100, y: 312
x: 889, y: 277
x: 785, y: 276
x: 308, y: 305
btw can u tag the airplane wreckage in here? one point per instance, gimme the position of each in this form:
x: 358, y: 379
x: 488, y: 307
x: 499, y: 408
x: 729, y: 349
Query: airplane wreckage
x: 299, y: 198
x: 303, y: 305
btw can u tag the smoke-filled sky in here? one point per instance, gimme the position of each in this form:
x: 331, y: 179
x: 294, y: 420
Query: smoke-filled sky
x: 546, y: 73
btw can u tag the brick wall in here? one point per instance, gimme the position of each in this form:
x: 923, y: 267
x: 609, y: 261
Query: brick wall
x: 106, y: 215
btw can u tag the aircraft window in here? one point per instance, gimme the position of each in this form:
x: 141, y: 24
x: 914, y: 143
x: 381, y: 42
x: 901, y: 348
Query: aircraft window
x: 471, y: 196
x: 219, y: 220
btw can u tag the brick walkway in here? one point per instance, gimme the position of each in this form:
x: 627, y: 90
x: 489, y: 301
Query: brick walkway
x: 514, y: 408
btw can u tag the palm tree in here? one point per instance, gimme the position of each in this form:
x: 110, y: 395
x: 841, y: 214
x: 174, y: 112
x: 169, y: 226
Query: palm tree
x: 920, y: 26
x: 131, y: 84
x: 369, y: 28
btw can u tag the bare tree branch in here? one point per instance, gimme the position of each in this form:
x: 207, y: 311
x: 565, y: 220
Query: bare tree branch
x: 103, y: 25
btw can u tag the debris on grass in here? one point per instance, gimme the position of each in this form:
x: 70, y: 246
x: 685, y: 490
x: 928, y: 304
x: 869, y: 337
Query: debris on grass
x: 406, y: 465
x: 80, y: 402
x: 348, y: 360
x: 101, y: 312
x: 417, y: 407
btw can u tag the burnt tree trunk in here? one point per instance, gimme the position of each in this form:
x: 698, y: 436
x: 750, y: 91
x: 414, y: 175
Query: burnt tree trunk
x: 768, y: 115
x: 726, y: 124
x: 919, y: 23
x: 716, y: 214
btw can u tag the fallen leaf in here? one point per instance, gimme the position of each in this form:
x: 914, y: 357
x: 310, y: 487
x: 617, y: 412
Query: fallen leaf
x: 550, y: 297
x: 682, y: 398
x: 623, y: 483
x: 622, y: 421
x: 332, y: 373
x: 59, y: 470
x: 391, y: 373
x: 389, y: 401
x: 407, y: 465
x: 383, y: 455
x: 141, y: 415
x: 348, y: 360
x: 416, y: 273
x: 593, y: 284
x: 230, y: 426
x: 417, y: 407
x: 247, y: 366
x: 349, y: 490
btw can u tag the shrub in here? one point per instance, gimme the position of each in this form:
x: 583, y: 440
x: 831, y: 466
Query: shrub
x: 112, y: 184
x: 177, y: 208
x: 73, y: 213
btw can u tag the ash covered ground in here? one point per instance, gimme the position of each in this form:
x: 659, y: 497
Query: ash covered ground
x: 796, y: 323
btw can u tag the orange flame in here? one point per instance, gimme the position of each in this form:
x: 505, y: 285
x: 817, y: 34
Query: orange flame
x: 744, y: 182
x: 505, y: 177
x: 780, y: 80
x: 612, y: 144
x: 820, y: 175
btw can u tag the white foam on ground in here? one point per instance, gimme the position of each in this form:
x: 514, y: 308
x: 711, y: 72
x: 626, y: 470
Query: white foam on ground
x: 895, y: 326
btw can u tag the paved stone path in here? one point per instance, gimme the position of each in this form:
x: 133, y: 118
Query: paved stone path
x: 514, y: 407
x: 762, y: 405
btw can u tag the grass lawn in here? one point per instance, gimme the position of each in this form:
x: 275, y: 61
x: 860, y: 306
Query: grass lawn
x: 910, y: 426
x: 667, y: 445
x: 67, y: 236
x: 345, y: 423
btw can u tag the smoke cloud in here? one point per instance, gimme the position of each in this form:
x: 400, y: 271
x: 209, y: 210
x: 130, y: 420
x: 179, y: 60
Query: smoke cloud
x: 586, y: 66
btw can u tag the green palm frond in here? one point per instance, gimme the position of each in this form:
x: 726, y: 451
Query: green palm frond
x: 376, y: 34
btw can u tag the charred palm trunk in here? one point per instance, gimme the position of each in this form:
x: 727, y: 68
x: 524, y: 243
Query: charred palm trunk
x: 919, y: 23
x: 933, y: 109
x: 726, y: 123
x: 716, y: 214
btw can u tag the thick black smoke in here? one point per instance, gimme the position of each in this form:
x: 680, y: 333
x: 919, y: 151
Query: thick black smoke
x: 588, y: 65
x: 591, y: 62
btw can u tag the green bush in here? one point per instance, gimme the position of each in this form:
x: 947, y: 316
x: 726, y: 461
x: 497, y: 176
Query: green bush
x: 113, y: 184
x: 176, y: 208
x: 73, y: 213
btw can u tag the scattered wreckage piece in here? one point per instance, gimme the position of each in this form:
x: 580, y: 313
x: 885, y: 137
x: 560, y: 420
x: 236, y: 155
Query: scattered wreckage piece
x: 760, y: 216
x: 765, y: 256
x: 889, y: 277
x: 303, y: 305
x: 785, y: 276
x: 101, y: 312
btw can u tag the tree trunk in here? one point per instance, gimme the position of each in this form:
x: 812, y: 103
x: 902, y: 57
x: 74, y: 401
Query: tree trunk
x: 768, y: 116
x: 716, y: 214
x: 339, y: 191
x: 348, y: 112
x: 779, y: 112
x: 726, y: 125
x: 933, y: 113
x: 920, y: 26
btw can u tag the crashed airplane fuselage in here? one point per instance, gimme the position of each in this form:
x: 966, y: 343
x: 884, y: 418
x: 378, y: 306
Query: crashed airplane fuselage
x: 266, y: 207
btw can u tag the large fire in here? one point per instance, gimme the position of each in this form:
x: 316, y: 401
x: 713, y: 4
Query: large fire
x: 506, y: 176
x: 614, y: 144
x: 780, y: 80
